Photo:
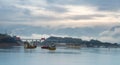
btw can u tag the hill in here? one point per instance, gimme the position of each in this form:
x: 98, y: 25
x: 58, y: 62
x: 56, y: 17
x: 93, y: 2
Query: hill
x: 68, y: 41
x: 7, y: 40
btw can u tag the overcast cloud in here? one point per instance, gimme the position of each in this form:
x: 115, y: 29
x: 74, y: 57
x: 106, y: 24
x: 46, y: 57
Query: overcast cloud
x: 88, y: 18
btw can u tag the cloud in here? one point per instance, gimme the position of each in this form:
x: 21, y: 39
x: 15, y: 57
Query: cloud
x: 113, y: 32
x: 76, y: 16
x: 34, y: 36
x: 68, y: 16
x: 109, y: 39
x: 65, y: 24
x: 106, y: 5
x: 39, y: 36
x: 46, y: 14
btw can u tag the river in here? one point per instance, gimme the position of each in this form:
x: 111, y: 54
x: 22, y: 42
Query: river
x: 61, y: 56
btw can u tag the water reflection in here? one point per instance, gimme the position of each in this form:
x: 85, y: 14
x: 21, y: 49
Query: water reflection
x: 11, y: 49
x: 58, y: 52
x: 6, y: 47
x: 63, y: 56
x: 29, y: 50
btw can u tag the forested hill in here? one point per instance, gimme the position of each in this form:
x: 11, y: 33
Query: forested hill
x: 7, y: 40
x: 79, y: 42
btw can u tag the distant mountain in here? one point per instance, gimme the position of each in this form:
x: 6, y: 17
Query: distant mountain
x: 8, y: 41
x: 78, y: 42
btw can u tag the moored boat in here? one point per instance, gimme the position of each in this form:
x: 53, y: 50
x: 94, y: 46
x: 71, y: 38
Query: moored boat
x: 28, y: 46
x: 52, y: 48
x: 49, y: 47
x: 45, y: 47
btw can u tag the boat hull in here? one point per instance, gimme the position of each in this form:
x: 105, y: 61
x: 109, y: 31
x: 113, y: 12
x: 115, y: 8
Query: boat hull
x: 52, y: 48
x: 45, y: 47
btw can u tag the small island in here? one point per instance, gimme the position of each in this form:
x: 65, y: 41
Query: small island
x: 76, y: 42
x: 9, y: 41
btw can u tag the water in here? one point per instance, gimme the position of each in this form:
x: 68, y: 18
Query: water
x: 61, y: 56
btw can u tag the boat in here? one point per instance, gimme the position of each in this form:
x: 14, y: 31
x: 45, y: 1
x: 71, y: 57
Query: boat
x: 49, y: 47
x: 52, y: 48
x: 45, y: 47
x: 27, y: 45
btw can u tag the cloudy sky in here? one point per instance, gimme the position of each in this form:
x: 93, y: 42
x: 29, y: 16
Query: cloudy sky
x: 86, y: 19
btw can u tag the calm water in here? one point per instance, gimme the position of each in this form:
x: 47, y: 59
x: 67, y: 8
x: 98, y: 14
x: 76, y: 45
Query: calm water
x: 61, y: 56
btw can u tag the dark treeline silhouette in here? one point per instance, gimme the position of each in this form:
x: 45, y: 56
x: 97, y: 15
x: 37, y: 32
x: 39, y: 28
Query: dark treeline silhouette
x: 7, y: 40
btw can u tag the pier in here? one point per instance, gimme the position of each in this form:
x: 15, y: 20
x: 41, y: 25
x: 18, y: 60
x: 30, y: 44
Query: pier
x: 33, y: 41
x: 38, y: 40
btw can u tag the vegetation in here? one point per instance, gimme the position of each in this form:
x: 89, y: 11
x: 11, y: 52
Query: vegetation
x: 7, y: 40
x: 79, y: 42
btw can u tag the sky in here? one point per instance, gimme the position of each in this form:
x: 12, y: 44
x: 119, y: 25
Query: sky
x: 86, y: 19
